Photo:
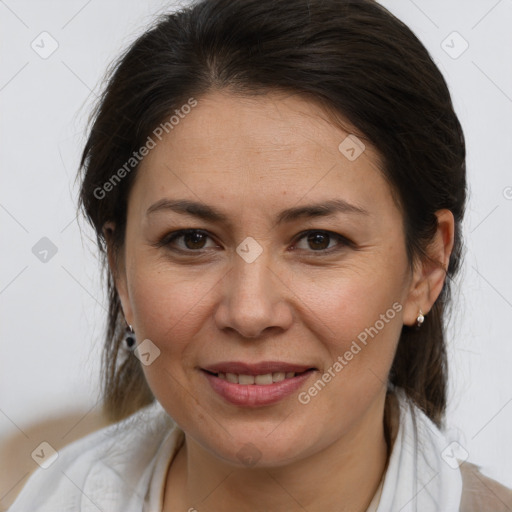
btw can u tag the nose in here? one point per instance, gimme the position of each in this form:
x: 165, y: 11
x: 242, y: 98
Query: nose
x: 255, y: 300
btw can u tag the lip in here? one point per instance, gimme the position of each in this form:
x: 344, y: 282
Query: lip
x: 256, y: 395
x: 254, y: 369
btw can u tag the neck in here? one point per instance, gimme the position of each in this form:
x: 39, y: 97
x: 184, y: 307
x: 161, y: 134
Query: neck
x: 343, y: 477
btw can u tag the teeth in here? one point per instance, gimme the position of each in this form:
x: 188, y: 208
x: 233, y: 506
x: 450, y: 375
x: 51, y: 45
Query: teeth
x: 246, y: 379
x: 266, y: 379
x: 261, y: 379
x: 231, y: 377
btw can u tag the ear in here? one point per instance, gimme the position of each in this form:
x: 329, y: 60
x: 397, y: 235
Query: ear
x: 429, y: 276
x: 117, y: 268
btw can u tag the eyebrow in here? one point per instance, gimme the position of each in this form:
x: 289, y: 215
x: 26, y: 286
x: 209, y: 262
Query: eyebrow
x: 209, y: 213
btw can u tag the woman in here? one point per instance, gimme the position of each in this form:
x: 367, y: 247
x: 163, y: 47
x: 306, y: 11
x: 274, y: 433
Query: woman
x: 278, y: 190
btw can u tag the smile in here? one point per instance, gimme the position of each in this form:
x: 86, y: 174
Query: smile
x: 256, y: 385
x: 263, y: 380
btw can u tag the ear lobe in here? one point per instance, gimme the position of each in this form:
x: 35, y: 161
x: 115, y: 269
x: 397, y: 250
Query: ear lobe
x: 430, y: 274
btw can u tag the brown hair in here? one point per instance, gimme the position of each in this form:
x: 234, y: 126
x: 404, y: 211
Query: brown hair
x: 353, y: 56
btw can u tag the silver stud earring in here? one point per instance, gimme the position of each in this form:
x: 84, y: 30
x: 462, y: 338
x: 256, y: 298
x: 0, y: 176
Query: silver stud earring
x: 420, y: 319
x: 130, y: 340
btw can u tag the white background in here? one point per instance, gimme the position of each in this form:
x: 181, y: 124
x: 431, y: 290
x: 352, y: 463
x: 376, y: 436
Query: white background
x: 53, y: 314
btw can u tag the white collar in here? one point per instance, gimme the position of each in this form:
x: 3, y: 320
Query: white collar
x: 122, y: 468
x: 417, y: 479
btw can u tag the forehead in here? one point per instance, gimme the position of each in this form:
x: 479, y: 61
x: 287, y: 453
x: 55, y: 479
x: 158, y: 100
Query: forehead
x: 266, y: 149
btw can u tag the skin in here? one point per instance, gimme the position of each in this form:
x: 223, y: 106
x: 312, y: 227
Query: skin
x: 251, y: 158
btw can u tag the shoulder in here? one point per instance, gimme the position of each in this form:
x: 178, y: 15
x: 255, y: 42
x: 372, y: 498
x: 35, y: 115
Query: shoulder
x: 100, y: 468
x: 476, y: 492
x: 482, y: 493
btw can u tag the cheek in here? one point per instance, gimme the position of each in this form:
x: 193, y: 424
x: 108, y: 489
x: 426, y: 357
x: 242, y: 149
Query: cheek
x: 169, y: 309
x: 168, y: 303
x: 358, y: 326
x: 358, y: 317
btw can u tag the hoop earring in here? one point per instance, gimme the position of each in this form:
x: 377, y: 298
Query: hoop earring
x: 420, y: 319
x: 130, y: 340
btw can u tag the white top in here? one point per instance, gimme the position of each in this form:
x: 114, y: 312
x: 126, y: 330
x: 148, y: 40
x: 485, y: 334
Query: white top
x: 170, y: 446
x: 122, y: 468
x: 155, y: 494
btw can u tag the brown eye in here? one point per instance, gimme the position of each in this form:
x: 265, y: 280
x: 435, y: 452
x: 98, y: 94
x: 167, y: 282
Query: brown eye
x: 193, y: 240
x: 319, y: 241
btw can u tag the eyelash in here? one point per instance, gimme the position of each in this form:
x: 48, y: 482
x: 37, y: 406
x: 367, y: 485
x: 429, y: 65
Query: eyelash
x: 171, y: 237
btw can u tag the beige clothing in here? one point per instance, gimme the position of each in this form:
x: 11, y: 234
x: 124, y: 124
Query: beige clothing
x: 482, y: 494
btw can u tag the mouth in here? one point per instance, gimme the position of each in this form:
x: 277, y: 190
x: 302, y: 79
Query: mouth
x: 263, y: 379
x: 255, y: 385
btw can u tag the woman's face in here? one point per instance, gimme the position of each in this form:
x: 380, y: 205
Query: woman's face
x: 268, y: 280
